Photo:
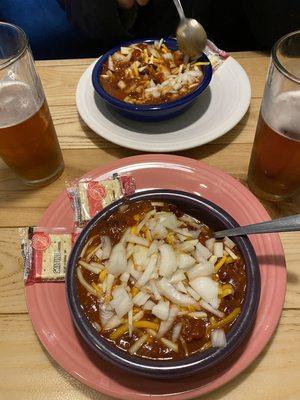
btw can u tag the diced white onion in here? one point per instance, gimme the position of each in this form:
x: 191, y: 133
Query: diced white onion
x: 137, y: 240
x: 198, y: 314
x: 149, y: 305
x: 161, y: 310
x: 139, y: 315
x: 140, y: 255
x: 171, y: 345
x: 193, y: 293
x: 178, y: 276
x: 114, y: 322
x: 228, y: 242
x: 218, y: 249
x: 231, y: 253
x: 185, y: 261
x: 168, y: 290
x: 213, y: 259
x: 176, y: 332
x: 118, y: 261
x: 180, y: 286
x: 204, y: 269
x: 121, y: 301
x: 106, y: 312
x: 154, y: 290
x: 210, y: 309
x: 148, y: 271
x: 218, y: 338
x: 202, y: 250
x: 187, y: 246
x: 91, y: 267
x: 209, y: 243
x: 125, y: 277
x: 167, y: 260
x: 138, y: 344
x: 141, y: 298
x: 165, y: 326
x: 207, y: 288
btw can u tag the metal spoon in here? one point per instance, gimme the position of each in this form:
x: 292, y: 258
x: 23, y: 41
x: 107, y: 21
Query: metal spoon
x: 191, y: 36
x: 286, y: 224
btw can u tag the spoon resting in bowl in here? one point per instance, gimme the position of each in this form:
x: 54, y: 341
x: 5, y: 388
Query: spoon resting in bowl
x: 285, y: 224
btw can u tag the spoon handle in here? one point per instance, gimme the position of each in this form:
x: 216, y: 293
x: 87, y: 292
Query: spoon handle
x: 179, y: 8
x: 286, y: 224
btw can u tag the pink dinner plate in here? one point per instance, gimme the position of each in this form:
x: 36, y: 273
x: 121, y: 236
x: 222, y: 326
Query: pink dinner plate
x: 47, y: 301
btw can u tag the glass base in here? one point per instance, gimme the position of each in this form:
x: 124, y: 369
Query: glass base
x: 47, y: 180
x: 268, y: 196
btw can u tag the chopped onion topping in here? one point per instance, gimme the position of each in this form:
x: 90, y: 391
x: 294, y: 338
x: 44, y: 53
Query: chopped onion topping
x: 148, y: 271
x: 141, y: 298
x: 167, y: 261
x: 210, y: 309
x: 121, y: 302
x: 231, y: 253
x: 228, y: 242
x: 209, y: 243
x: 207, y: 288
x: 138, y: 344
x: 91, y: 267
x: 165, y: 326
x: 118, y: 260
x: 218, y: 249
x: 218, y: 338
x: 173, y: 295
x: 161, y: 310
x: 171, y: 345
x: 176, y: 332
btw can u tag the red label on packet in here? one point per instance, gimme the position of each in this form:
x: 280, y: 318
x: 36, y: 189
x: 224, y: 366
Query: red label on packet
x: 41, y: 241
x: 96, y: 191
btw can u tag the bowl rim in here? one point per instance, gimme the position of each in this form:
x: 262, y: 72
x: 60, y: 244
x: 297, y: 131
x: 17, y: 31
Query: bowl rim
x: 197, y: 362
x: 207, y: 75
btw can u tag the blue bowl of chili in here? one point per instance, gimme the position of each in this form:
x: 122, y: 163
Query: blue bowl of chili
x: 202, y: 361
x: 150, y: 112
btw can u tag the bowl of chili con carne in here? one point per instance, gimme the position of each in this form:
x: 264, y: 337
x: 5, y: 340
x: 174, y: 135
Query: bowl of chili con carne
x: 149, y: 349
x: 149, y: 88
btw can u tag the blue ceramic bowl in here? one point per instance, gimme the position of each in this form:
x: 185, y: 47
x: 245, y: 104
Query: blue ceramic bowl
x: 155, y: 112
x: 217, y: 219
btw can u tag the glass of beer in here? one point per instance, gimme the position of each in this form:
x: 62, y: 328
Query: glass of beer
x: 274, y: 170
x: 28, y: 141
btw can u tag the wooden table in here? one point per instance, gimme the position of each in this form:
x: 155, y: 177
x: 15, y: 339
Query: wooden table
x: 27, y: 372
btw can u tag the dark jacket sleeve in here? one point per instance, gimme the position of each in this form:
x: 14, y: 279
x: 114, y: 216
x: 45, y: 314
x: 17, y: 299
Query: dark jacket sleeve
x: 100, y: 19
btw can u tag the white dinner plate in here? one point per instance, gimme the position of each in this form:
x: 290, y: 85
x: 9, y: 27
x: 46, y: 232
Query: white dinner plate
x: 218, y: 109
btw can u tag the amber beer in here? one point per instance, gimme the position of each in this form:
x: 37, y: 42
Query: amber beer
x: 29, y: 145
x: 274, y: 170
x: 275, y: 162
x: 28, y: 142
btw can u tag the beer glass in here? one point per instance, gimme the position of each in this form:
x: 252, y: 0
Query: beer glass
x: 274, y: 170
x: 28, y: 141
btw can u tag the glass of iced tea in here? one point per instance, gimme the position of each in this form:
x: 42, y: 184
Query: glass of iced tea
x: 274, y: 170
x: 28, y: 141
